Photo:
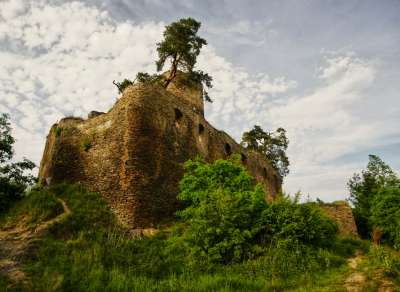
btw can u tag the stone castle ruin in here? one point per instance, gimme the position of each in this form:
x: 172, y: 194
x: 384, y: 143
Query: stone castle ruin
x: 133, y: 155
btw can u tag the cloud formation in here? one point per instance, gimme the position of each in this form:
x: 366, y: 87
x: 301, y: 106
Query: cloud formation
x: 59, y: 58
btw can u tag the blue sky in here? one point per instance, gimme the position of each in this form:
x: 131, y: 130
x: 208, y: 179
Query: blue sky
x: 327, y: 71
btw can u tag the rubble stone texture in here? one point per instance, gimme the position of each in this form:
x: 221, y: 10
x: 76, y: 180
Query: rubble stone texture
x: 133, y: 155
x: 342, y: 214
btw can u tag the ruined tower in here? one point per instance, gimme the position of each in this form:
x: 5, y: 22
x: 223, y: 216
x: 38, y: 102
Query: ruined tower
x: 133, y: 155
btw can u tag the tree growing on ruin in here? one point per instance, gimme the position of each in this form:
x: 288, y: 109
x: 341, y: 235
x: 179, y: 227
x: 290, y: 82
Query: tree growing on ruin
x: 181, y: 46
x: 271, y: 144
x: 122, y: 85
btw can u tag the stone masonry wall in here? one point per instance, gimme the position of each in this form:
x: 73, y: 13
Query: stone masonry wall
x: 342, y: 214
x: 133, y: 155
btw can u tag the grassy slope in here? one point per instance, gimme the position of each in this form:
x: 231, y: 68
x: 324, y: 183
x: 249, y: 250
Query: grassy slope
x: 88, y: 251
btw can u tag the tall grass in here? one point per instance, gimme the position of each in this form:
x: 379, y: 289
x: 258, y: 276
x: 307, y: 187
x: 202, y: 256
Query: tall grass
x: 37, y: 206
x: 89, y: 251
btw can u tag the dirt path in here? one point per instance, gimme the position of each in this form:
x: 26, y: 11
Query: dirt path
x: 357, y: 281
x: 16, y: 241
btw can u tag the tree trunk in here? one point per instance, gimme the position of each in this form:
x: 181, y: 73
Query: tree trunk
x: 172, y: 73
x: 376, y: 235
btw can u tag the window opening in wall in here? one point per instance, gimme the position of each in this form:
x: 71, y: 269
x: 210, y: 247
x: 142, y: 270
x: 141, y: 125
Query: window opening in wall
x: 228, y: 149
x: 264, y: 172
x: 201, y: 129
x: 243, y: 158
x: 178, y: 115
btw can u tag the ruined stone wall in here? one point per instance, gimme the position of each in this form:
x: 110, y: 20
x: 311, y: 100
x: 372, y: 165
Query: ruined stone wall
x: 342, y: 214
x: 133, y: 155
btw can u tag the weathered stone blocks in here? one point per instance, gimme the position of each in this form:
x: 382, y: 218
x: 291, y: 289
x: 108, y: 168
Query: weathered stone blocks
x: 134, y: 154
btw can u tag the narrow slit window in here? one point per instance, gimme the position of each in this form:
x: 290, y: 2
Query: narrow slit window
x: 264, y: 172
x: 178, y: 115
x: 201, y: 129
x: 243, y: 158
x: 228, y: 149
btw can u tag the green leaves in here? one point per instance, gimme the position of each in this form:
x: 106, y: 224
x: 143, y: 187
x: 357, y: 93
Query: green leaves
x: 223, y: 208
x: 122, y: 85
x: 13, y: 177
x: 182, y: 45
x: 385, y: 214
x: 228, y: 220
x: 271, y: 144
x: 365, y: 187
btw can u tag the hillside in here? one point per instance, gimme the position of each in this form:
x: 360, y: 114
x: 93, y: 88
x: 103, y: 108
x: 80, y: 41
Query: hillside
x: 81, y: 247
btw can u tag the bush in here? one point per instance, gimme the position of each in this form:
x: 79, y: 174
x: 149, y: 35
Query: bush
x: 223, y: 210
x: 228, y: 219
x: 386, y: 214
x: 13, y: 177
x: 298, y: 223
x: 122, y: 85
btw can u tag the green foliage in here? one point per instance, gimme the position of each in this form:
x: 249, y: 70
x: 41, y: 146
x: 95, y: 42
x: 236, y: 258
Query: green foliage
x: 182, y: 46
x: 89, y: 251
x: 205, y: 79
x: 365, y: 187
x: 13, y: 177
x: 385, y: 214
x: 271, y: 144
x: 38, y: 205
x: 383, y: 258
x: 122, y: 85
x: 227, y: 218
x: 87, y: 140
x: 289, y: 222
x: 58, y: 131
x: 223, y: 210
x: 143, y: 77
x: 348, y: 246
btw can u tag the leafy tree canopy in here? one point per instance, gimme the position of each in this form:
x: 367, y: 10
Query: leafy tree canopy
x: 227, y: 218
x: 365, y: 186
x: 385, y: 214
x: 223, y: 209
x: 181, y: 45
x: 13, y: 180
x: 272, y: 144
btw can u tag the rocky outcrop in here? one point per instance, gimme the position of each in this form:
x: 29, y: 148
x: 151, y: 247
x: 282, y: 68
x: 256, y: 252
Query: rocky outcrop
x: 133, y: 155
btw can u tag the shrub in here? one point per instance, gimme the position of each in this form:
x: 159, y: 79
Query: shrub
x: 228, y: 219
x: 298, y: 223
x: 143, y: 77
x: 13, y: 177
x: 386, y: 214
x: 58, y: 131
x: 122, y: 85
x: 223, y: 210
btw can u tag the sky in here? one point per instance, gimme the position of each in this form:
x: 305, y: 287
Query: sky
x: 326, y: 71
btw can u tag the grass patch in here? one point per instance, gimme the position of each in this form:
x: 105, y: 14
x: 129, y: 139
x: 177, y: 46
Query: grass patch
x: 89, y: 251
x: 38, y: 205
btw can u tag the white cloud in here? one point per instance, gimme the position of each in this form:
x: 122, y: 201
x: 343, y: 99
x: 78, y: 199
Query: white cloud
x: 67, y: 56
x: 61, y: 59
